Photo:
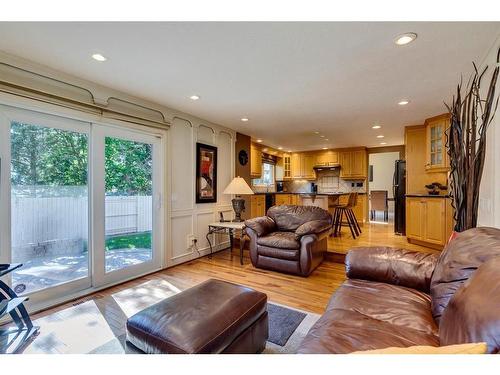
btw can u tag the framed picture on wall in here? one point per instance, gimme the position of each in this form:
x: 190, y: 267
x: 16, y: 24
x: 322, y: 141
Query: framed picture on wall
x: 206, y: 173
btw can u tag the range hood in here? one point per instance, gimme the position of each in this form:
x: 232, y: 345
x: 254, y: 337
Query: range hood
x: 329, y: 167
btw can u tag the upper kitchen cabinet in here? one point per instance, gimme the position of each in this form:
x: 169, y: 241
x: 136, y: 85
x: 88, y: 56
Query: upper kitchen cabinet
x: 286, y: 161
x: 302, y: 165
x: 436, y: 156
x: 353, y: 164
x: 327, y: 158
x: 255, y: 160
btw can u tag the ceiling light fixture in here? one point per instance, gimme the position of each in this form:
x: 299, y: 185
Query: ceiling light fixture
x: 404, y: 102
x: 280, y: 148
x: 244, y: 119
x: 376, y: 127
x: 326, y: 139
x: 194, y: 97
x: 289, y: 150
x: 380, y: 136
x: 259, y: 140
x: 316, y: 132
x: 405, y: 38
x: 98, y: 57
x: 383, y: 143
x: 325, y: 148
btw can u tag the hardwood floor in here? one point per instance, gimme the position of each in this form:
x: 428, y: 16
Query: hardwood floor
x: 373, y: 234
x: 98, y: 321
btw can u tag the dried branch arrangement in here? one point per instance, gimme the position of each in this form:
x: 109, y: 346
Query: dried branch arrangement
x: 466, y: 144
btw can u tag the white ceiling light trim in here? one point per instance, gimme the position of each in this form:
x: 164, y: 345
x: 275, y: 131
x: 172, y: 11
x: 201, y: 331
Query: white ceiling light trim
x: 99, y: 57
x: 405, y: 38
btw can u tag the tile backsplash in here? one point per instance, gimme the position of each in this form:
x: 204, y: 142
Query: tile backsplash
x: 328, y: 182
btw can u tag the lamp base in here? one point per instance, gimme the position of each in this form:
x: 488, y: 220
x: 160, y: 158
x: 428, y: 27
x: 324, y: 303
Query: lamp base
x: 238, y: 207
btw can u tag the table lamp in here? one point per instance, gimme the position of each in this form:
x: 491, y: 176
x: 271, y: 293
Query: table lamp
x: 238, y: 187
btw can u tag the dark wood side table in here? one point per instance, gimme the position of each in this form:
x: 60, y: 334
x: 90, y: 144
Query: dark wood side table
x: 14, y: 339
x: 230, y: 228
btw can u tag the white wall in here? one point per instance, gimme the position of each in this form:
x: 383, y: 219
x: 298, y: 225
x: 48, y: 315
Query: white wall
x: 489, y: 196
x: 383, y: 173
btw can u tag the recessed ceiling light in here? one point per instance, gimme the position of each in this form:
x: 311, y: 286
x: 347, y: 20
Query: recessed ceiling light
x: 325, y: 148
x: 326, y: 139
x: 405, y: 38
x: 194, y: 97
x: 289, y: 150
x: 244, y: 119
x: 404, y: 102
x: 316, y: 132
x: 322, y: 136
x: 383, y: 143
x: 98, y: 57
x: 264, y: 149
x: 380, y: 136
x: 376, y: 127
x: 280, y: 148
x: 259, y: 140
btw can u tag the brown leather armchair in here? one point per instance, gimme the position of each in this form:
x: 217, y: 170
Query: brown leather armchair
x: 290, y: 239
x: 401, y: 298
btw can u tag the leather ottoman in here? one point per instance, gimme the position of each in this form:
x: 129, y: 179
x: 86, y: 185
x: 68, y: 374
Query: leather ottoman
x: 212, y: 317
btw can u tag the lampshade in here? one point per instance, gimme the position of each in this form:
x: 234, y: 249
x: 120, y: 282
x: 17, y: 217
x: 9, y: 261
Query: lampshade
x: 238, y: 187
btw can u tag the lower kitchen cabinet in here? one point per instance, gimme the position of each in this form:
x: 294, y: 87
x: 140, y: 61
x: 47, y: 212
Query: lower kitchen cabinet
x: 282, y: 199
x: 428, y: 220
x: 257, y: 205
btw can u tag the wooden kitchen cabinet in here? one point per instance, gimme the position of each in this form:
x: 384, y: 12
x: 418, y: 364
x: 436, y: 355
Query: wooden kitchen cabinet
x: 257, y: 205
x: 437, y: 159
x: 353, y: 164
x: 327, y: 158
x: 282, y: 199
x: 287, y: 172
x: 255, y: 161
x: 428, y: 220
x: 302, y: 165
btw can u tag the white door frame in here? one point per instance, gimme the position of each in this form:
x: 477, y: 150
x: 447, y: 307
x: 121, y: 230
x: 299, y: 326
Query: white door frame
x: 8, y: 114
x: 100, y: 277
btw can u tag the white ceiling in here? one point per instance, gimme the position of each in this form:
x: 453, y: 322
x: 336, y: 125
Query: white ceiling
x: 289, y: 79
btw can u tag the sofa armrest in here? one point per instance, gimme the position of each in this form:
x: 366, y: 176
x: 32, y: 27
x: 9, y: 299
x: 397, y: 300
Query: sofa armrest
x: 403, y: 267
x: 261, y: 225
x: 312, y: 227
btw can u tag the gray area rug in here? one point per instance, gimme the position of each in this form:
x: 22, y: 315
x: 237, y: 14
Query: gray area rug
x: 282, y: 323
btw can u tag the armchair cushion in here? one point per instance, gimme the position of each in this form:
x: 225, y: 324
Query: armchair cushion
x: 312, y: 227
x: 402, y: 267
x: 261, y: 225
x: 280, y: 240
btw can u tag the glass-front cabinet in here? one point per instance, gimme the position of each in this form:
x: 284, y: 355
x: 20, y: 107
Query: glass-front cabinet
x: 436, y: 155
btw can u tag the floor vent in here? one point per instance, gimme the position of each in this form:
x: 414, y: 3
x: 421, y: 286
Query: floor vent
x: 86, y: 299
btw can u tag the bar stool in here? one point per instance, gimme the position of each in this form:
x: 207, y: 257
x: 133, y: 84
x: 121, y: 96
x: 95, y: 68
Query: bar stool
x: 346, y: 211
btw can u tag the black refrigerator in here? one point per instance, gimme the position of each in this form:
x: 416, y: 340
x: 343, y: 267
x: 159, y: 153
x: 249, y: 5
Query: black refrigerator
x: 399, y: 192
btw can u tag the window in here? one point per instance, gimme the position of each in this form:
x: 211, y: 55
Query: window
x: 267, y: 178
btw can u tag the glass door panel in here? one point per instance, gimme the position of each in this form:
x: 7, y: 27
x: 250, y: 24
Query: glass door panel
x: 45, y: 169
x: 128, y: 203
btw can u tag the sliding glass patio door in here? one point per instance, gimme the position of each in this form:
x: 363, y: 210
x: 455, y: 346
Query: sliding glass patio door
x: 80, y: 203
x: 127, y: 187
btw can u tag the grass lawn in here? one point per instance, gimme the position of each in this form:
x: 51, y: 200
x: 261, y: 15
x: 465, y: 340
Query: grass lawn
x: 129, y: 241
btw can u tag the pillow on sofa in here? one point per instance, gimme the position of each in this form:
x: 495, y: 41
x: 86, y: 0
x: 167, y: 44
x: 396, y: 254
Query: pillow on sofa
x: 458, y: 261
x: 473, y: 313
x: 476, y: 348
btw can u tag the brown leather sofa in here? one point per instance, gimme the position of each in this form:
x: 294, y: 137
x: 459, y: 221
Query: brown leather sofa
x: 291, y: 239
x: 401, y: 298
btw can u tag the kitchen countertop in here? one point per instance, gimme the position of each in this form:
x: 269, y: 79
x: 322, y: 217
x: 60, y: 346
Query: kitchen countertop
x: 426, y: 195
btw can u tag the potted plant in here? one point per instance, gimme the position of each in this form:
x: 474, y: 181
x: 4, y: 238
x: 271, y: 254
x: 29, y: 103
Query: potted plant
x: 466, y: 144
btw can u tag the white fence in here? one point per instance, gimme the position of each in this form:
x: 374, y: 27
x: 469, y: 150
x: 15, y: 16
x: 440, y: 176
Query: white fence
x: 51, y: 215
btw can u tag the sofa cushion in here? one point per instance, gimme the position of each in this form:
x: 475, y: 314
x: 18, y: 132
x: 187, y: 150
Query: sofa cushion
x: 473, y: 314
x: 365, y: 315
x: 288, y: 218
x: 274, y: 252
x: 281, y: 240
x: 341, y: 331
x: 459, y: 260
x: 393, y: 304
